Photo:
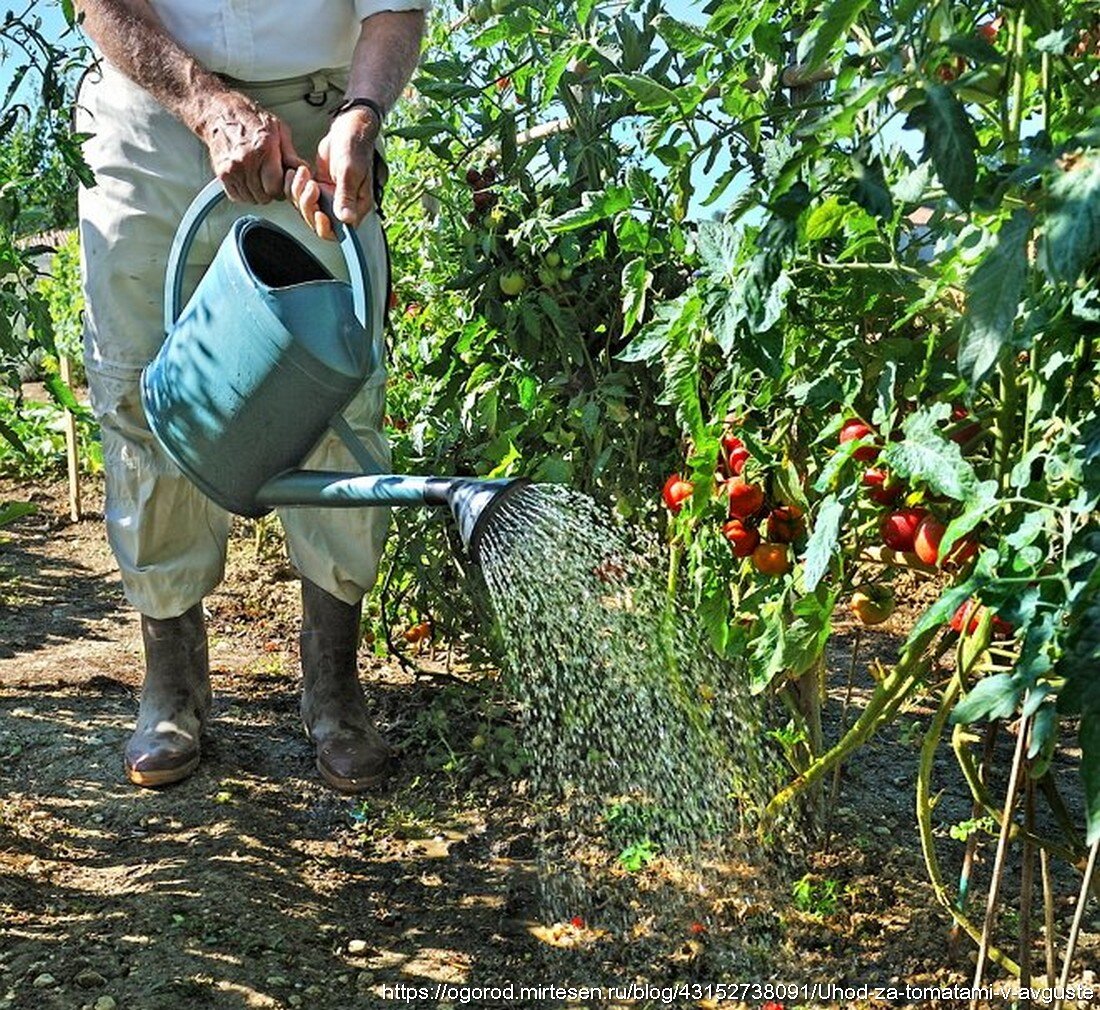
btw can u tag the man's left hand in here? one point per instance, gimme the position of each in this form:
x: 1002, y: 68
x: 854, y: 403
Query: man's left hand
x: 344, y: 173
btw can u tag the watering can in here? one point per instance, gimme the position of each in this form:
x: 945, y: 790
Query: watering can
x: 261, y: 363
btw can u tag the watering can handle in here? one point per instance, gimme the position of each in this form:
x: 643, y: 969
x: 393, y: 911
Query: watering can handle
x: 207, y: 199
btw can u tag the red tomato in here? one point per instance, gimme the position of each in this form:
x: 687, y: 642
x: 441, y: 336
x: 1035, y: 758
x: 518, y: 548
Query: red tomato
x: 926, y: 540
x: 743, y: 539
x: 900, y: 528
x: 969, y: 614
x: 745, y: 499
x: 854, y: 429
x: 675, y: 492
x: 771, y: 559
x: 883, y: 489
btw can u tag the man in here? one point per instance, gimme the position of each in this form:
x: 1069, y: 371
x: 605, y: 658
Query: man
x: 249, y: 91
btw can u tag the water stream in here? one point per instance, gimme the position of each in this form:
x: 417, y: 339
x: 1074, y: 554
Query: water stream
x: 637, y: 732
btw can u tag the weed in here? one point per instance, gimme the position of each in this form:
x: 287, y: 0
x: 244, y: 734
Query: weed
x: 819, y: 897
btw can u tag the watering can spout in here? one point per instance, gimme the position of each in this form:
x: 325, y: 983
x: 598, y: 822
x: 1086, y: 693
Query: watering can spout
x: 474, y: 503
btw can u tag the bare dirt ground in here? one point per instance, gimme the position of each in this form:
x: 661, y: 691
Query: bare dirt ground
x: 253, y: 885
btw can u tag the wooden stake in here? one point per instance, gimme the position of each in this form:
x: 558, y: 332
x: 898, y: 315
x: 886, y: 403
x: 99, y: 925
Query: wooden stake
x: 1048, y: 913
x: 72, y: 446
x: 999, y: 863
x: 1027, y: 885
x: 1078, y: 915
x: 834, y: 790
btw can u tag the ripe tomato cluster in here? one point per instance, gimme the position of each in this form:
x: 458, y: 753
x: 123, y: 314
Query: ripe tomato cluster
x: 908, y: 530
x: 754, y: 527
x: 484, y: 198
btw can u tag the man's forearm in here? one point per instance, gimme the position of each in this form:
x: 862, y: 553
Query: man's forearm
x: 132, y: 37
x: 386, y: 56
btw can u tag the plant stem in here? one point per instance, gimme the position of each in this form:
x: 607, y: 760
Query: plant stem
x: 967, y: 870
x: 1002, y: 849
x: 1075, y: 930
x: 889, y: 695
x: 924, y: 822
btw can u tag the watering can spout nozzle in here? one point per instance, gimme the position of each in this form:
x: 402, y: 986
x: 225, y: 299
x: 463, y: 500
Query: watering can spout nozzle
x: 474, y: 503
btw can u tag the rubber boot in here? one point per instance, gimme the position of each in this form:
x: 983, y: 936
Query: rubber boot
x: 175, y: 700
x: 351, y: 754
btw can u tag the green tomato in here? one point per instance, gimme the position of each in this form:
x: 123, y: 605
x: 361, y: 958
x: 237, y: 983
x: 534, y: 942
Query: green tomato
x: 548, y: 277
x: 565, y: 273
x: 553, y: 259
x: 469, y: 239
x: 512, y: 283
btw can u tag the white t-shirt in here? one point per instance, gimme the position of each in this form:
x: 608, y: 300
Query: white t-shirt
x: 265, y: 40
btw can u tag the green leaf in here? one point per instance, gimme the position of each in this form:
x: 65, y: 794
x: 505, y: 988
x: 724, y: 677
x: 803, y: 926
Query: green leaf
x: 949, y: 141
x: 11, y: 436
x: 823, y: 541
x: 557, y: 66
x: 682, y: 391
x: 993, y: 297
x: 869, y: 189
x: 825, y: 220
x: 596, y: 205
x: 982, y: 504
x: 943, y: 609
x: 717, y: 244
x: 925, y: 455
x: 422, y: 131
x: 636, y: 280
x: 12, y: 510
x: 994, y: 697
x: 646, y: 345
x: 648, y: 95
x: 1071, y: 236
x: 828, y: 29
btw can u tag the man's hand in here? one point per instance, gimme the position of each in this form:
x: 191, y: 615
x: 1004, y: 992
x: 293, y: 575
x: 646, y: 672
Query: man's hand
x: 345, y: 160
x: 250, y: 149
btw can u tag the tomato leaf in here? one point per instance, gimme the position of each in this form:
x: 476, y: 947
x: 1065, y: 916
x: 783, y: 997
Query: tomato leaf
x: 927, y: 456
x: 942, y: 610
x: 828, y: 29
x: 982, y: 504
x: 1071, y: 237
x: 993, y: 297
x: 648, y: 95
x: 12, y: 510
x: 869, y: 189
x: 596, y: 205
x: 993, y: 697
x: 636, y: 280
x: 949, y: 141
x: 823, y: 541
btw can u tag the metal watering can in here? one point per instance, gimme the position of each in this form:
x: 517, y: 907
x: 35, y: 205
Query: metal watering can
x: 260, y: 364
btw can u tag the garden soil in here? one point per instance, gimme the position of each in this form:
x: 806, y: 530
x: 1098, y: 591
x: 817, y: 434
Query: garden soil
x: 253, y: 885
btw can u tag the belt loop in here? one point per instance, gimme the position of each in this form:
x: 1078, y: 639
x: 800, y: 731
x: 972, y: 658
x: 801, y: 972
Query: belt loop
x: 318, y: 93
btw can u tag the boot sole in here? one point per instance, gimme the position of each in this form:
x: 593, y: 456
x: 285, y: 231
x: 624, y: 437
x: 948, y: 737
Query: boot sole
x: 344, y: 785
x: 162, y: 776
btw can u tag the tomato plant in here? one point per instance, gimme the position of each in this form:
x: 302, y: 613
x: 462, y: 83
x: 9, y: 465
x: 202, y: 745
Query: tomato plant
x: 853, y: 336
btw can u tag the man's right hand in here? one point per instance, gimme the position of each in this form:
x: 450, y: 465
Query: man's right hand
x: 250, y: 149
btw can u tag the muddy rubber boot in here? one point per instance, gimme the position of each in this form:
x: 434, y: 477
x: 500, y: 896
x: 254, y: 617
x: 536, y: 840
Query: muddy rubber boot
x: 351, y: 754
x: 175, y: 700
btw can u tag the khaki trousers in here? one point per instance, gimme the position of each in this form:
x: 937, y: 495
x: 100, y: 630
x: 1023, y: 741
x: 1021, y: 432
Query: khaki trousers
x: 168, y: 538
